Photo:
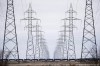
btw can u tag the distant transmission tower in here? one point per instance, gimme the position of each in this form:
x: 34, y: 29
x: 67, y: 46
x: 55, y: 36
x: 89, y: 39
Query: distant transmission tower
x: 38, y: 50
x: 30, y: 52
x: 59, y: 54
x: 10, y: 43
x: 89, y: 46
x: 44, y: 54
x: 66, y: 44
x: 71, y: 45
x: 41, y: 50
x: 37, y: 46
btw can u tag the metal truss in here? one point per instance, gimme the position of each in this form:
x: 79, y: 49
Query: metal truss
x: 61, y: 49
x: 71, y: 45
x: 89, y: 46
x: 68, y: 40
x: 41, y: 50
x: 36, y: 47
x: 58, y: 54
x: 30, y: 54
x: 10, y: 44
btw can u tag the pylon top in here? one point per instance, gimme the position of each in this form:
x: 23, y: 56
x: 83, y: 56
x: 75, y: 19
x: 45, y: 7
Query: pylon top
x: 71, y: 7
x: 30, y: 7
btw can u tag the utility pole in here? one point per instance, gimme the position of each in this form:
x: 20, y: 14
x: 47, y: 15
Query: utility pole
x: 89, y: 46
x: 10, y: 43
x: 30, y: 52
x: 71, y: 45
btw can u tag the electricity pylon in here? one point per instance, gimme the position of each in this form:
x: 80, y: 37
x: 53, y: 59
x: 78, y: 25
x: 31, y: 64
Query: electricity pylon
x: 58, y: 54
x: 30, y: 52
x: 67, y: 41
x: 44, y: 54
x: 37, y: 45
x: 71, y: 45
x: 10, y: 43
x: 89, y: 46
x: 41, y: 50
x: 36, y: 48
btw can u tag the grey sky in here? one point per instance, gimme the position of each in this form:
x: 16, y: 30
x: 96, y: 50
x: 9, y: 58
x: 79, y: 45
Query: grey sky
x: 50, y: 12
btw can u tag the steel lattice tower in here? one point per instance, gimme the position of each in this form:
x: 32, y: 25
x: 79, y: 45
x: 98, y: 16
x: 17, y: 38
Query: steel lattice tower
x: 37, y: 46
x: 69, y: 28
x: 59, y: 54
x: 38, y: 50
x: 41, y: 50
x: 89, y: 46
x: 44, y: 54
x: 61, y: 49
x: 10, y: 43
x: 67, y: 44
x: 30, y: 54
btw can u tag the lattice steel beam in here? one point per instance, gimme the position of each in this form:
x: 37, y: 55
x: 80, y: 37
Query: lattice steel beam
x: 10, y: 43
x: 89, y: 46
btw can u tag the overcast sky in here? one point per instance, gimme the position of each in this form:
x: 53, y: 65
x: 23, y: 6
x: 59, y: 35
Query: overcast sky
x: 50, y: 12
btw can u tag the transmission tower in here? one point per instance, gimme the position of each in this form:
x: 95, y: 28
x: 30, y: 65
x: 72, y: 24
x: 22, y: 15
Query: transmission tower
x: 61, y: 49
x: 36, y: 48
x: 37, y: 44
x: 44, y: 49
x: 69, y: 49
x: 10, y: 43
x: 71, y: 45
x: 58, y: 54
x: 89, y: 46
x: 30, y: 54
x: 41, y: 50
